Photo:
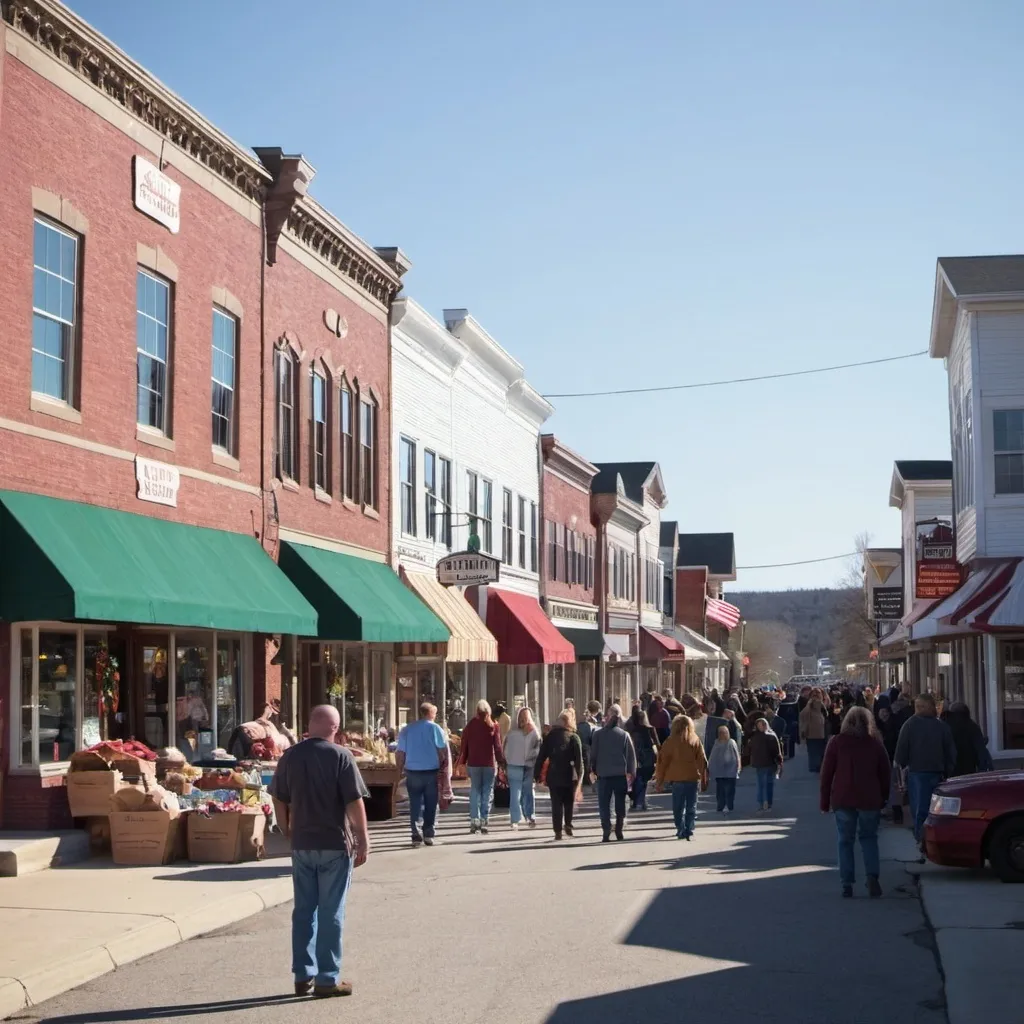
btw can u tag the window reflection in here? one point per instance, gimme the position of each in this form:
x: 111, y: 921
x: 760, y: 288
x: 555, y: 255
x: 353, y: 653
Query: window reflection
x: 58, y: 672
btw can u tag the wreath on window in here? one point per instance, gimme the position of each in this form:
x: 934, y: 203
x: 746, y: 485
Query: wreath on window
x: 108, y: 679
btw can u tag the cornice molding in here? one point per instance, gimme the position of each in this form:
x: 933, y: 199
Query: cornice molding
x: 528, y: 401
x: 409, y: 317
x: 486, y: 350
x: 567, y: 464
x: 94, y: 59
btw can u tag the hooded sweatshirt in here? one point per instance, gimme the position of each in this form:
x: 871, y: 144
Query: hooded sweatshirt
x: 812, y: 721
x: 522, y: 748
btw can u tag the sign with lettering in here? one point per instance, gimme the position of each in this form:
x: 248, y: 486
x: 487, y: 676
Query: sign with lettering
x: 467, y: 569
x: 887, y: 603
x: 157, y: 481
x: 938, y: 572
x: 572, y: 613
x: 156, y: 195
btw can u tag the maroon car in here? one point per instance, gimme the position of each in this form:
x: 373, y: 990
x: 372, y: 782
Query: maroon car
x: 978, y: 818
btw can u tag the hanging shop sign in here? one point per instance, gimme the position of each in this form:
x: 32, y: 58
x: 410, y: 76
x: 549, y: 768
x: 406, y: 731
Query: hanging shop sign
x: 156, y: 195
x: 938, y: 572
x: 887, y: 603
x: 157, y: 482
x: 468, y: 569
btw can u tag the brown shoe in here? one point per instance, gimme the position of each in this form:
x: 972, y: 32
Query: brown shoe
x: 343, y: 988
x: 304, y: 988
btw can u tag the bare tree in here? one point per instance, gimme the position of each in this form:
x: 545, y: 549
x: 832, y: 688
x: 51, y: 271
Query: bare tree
x: 855, y: 630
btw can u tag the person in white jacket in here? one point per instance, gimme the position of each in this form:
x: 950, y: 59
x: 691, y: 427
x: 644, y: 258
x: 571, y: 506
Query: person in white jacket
x: 522, y: 745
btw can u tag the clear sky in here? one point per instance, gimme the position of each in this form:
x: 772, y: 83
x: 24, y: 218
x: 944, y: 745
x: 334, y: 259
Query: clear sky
x: 663, y: 191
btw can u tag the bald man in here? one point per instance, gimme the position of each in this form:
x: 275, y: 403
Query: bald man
x: 318, y: 795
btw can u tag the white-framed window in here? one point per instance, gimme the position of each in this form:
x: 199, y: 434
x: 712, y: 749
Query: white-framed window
x: 153, y: 350
x: 320, y: 431
x: 473, y: 501
x: 506, y: 526
x: 533, y: 536
x: 368, y: 452
x: 346, y: 416
x: 286, y: 414
x: 1008, y: 448
x: 407, y: 484
x: 55, y: 275
x: 963, y: 447
x: 487, y: 516
x: 522, y: 533
x: 430, y: 494
x: 445, y: 471
x: 225, y: 344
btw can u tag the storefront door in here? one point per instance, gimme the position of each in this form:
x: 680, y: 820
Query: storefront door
x: 153, y: 674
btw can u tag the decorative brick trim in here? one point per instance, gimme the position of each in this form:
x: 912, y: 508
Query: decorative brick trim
x: 156, y: 260
x: 59, y: 209
x: 223, y: 298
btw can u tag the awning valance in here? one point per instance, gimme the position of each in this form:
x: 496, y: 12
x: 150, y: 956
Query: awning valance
x: 1002, y: 606
x: 723, y: 613
x: 697, y: 647
x: 587, y: 643
x: 656, y: 646
x: 356, y: 599
x: 953, y: 615
x: 67, y: 560
x: 524, y: 633
x: 470, y: 639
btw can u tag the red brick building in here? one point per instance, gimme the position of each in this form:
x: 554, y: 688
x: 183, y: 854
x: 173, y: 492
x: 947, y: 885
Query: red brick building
x: 568, y: 564
x: 197, y: 351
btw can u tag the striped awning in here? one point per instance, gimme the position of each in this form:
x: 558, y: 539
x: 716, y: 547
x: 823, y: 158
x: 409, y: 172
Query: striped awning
x: 723, y: 613
x: 470, y: 639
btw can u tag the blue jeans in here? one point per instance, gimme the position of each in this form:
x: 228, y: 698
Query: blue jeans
x: 853, y: 824
x: 815, y: 752
x: 640, y: 781
x: 920, y: 786
x: 520, y: 792
x: 765, y: 785
x: 609, y: 786
x: 725, y: 792
x: 684, y: 807
x: 481, y: 792
x: 422, y: 787
x: 320, y: 881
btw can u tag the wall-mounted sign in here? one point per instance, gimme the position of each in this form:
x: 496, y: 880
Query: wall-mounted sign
x: 157, y: 481
x: 887, y: 603
x: 572, y: 613
x: 938, y: 572
x: 156, y: 195
x: 468, y: 569
x: 410, y: 553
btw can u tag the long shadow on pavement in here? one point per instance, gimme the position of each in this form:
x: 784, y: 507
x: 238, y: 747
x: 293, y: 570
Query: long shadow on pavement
x: 144, y: 1013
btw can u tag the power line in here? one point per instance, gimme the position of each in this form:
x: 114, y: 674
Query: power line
x: 737, y: 380
x: 806, y: 561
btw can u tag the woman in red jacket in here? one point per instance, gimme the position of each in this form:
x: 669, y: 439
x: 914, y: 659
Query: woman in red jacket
x: 855, y: 785
x: 481, y: 751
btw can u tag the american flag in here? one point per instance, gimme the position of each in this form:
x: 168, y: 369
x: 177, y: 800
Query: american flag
x: 722, y: 612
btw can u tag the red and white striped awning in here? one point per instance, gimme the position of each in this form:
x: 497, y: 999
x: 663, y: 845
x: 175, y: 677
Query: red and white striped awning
x: 1003, y: 606
x: 723, y: 613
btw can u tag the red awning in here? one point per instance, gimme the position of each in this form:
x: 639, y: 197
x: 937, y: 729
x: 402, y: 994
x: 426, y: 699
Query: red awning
x: 723, y: 613
x: 955, y: 615
x: 524, y: 633
x: 655, y: 646
x: 1004, y: 607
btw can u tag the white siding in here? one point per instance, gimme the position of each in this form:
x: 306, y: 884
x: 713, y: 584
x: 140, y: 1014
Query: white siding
x: 963, y: 424
x: 650, y: 547
x: 932, y: 506
x: 966, y: 535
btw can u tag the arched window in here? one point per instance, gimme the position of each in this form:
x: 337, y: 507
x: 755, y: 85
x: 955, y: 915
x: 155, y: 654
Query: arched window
x: 347, y: 432
x: 286, y: 405
x: 368, y: 470
x: 319, y: 430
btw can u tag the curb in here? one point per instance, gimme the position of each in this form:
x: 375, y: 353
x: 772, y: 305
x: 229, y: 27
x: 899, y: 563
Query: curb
x: 159, y: 933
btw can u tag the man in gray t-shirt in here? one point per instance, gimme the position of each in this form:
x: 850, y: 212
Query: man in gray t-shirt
x: 318, y: 796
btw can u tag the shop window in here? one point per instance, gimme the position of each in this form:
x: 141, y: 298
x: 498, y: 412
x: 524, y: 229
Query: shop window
x: 225, y: 333
x: 487, y: 516
x: 522, y: 533
x: 286, y: 415
x: 1008, y: 444
x: 319, y: 431
x: 49, y: 681
x: 1012, y: 658
x: 506, y: 526
x: 155, y: 676
x: 429, y: 494
x: 153, y: 356
x: 407, y: 485
x: 368, y: 452
x: 27, y: 699
x: 194, y: 701
x: 54, y: 310
x: 229, y: 688
x: 380, y: 683
x: 348, y: 448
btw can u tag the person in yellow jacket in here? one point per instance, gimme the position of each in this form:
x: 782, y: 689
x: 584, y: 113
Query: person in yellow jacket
x: 682, y: 764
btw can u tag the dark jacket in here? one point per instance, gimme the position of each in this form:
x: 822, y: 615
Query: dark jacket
x: 645, y: 743
x: 926, y: 745
x: 612, y: 752
x: 854, y: 774
x: 563, y: 752
x: 765, y: 750
x: 481, y: 746
x: 971, y: 748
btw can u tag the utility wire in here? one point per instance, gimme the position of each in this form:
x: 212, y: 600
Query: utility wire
x: 737, y: 380
x: 806, y: 561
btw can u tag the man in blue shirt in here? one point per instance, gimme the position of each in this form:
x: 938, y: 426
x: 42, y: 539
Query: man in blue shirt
x: 422, y: 754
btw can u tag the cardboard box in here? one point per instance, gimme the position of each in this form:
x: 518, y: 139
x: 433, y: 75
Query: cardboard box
x: 145, y: 837
x: 227, y: 837
x: 89, y: 793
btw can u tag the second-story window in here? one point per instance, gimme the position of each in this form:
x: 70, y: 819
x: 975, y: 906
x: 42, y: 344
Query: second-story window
x: 572, y: 576
x: 225, y: 329
x: 407, y: 482
x: 368, y: 452
x: 445, y: 472
x: 318, y: 422
x: 285, y: 415
x: 506, y: 526
x: 430, y: 494
x: 473, y: 502
x: 1008, y: 446
x: 346, y: 415
x: 54, y: 310
x: 487, y: 515
x: 152, y: 340
x: 522, y: 533
x: 533, y: 536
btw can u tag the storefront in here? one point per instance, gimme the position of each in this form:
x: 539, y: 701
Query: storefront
x: 577, y: 623
x: 363, y: 611
x: 662, y: 658
x: 121, y: 625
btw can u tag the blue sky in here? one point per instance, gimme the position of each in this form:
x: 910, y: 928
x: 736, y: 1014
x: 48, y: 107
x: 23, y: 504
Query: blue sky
x: 660, y: 192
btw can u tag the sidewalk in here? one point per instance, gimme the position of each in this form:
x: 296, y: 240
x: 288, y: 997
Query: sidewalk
x: 66, y: 926
x: 979, y: 930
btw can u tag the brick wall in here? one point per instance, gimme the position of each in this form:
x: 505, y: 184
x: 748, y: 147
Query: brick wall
x: 562, y: 502
x: 691, y: 590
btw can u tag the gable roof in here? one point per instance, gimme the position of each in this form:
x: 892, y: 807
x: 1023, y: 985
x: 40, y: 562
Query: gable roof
x: 983, y: 275
x: 925, y: 469
x: 635, y: 476
x: 715, y: 550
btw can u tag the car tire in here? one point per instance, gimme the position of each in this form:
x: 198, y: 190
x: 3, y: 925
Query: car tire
x: 1007, y: 862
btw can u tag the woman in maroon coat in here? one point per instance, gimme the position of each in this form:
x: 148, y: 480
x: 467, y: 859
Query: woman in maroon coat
x: 482, y: 754
x: 855, y: 785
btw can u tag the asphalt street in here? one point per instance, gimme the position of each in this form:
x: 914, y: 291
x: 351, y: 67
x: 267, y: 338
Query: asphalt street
x: 743, y: 922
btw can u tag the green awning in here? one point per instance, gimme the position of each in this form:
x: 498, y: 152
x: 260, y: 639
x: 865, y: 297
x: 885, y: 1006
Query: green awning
x: 66, y: 560
x: 589, y: 643
x: 357, y: 599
